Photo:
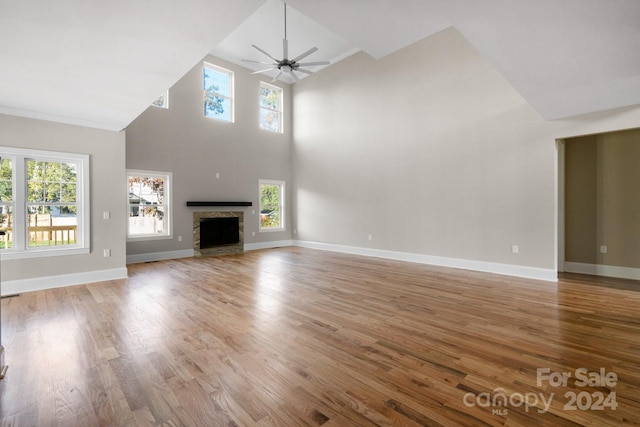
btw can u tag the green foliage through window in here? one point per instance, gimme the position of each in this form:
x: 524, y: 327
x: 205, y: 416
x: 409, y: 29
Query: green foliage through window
x: 271, y: 205
x: 218, y: 92
x: 270, y: 107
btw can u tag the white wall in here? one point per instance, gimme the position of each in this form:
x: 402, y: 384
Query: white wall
x: 107, y: 156
x: 433, y: 153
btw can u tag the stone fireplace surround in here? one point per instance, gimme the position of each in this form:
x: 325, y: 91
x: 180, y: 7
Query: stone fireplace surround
x: 222, y: 249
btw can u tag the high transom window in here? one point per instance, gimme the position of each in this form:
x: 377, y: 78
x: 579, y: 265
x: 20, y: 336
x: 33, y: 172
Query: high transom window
x: 270, y: 107
x: 218, y: 92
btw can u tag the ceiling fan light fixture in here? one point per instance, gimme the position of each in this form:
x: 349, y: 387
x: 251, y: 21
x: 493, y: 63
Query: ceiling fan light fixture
x: 285, y: 65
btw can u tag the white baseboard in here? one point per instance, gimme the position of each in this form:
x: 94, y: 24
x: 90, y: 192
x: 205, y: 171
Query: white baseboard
x: 159, y: 256
x: 187, y: 253
x: 485, y: 267
x: 12, y: 287
x: 267, y: 245
x: 602, y: 270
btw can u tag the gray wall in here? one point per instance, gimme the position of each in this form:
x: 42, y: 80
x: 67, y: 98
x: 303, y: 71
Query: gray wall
x: 602, y: 203
x: 431, y: 151
x: 194, y: 148
x: 107, y: 158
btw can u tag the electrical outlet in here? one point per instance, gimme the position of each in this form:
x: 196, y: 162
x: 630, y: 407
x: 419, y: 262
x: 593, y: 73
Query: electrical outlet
x: 370, y: 237
x: 179, y: 238
x: 603, y: 249
x: 107, y: 253
x: 515, y: 249
x: 106, y: 215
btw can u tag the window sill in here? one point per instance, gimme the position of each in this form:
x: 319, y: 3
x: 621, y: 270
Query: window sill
x: 271, y: 230
x: 43, y: 253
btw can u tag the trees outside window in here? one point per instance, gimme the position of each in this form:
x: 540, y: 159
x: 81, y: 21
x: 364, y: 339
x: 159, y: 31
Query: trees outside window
x: 218, y: 92
x: 272, y: 205
x: 270, y: 107
x: 149, y: 205
x: 44, y: 203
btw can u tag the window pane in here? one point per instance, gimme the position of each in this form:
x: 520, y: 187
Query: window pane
x: 270, y: 120
x: 52, y: 225
x: 162, y: 101
x: 68, y: 193
x: 69, y: 173
x: 146, y: 220
x: 269, y: 98
x: 217, y: 82
x: 270, y: 108
x: 6, y: 184
x: 6, y: 225
x: 52, y: 192
x: 270, y: 206
x: 218, y: 107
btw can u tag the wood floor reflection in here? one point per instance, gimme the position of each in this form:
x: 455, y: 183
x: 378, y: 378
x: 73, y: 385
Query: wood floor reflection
x: 295, y: 336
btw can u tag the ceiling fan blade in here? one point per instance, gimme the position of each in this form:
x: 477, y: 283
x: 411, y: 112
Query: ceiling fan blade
x: 309, y: 64
x: 305, y: 71
x: 292, y: 74
x: 264, y: 52
x: 305, y: 54
x: 262, y: 71
x: 285, y: 49
x: 258, y: 62
x: 275, y: 79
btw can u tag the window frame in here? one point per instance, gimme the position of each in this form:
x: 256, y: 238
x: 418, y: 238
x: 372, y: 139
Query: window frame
x: 168, y: 204
x: 282, y: 205
x: 280, y: 109
x: 20, y: 248
x: 230, y: 97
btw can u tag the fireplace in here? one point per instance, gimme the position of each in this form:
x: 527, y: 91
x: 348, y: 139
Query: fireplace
x: 218, y: 233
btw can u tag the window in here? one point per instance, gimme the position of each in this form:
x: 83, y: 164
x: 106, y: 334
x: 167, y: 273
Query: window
x: 162, y: 101
x: 270, y: 107
x: 271, y: 205
x: 149, y: 205
x: 44, y: 203
x: 218, y: 93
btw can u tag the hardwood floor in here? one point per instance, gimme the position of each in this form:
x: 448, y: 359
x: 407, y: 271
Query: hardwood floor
x: 294, y: 336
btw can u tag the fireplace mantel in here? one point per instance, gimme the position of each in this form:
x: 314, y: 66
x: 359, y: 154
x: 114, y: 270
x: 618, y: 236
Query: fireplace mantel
x: 219, y: 203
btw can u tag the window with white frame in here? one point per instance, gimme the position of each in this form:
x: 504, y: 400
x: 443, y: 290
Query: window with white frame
x: 272, y: 205
x: 270, y: 107
x: 162, y: 101
x: 149, y: 205
x: 44, y: 203
x: 218, y: 92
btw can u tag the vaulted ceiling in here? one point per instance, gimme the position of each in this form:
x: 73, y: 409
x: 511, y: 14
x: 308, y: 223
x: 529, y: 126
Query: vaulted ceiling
x: 100, y: 64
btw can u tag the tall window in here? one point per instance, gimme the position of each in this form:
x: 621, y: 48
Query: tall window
x: 218, y: 92
x: 272, y: 207
x: 44, y: 203
x: 270, y: 107
x: 149, y: 205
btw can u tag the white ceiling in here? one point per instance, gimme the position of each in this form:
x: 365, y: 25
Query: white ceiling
x: 101, y: 64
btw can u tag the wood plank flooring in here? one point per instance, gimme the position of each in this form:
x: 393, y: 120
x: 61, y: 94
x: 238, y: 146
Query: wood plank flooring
x: 294, y: 336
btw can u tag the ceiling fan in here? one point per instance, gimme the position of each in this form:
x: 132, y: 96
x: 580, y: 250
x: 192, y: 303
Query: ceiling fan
x: 286, y: 65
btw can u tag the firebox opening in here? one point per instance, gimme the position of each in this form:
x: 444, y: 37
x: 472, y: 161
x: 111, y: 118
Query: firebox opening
x: 219, y: 231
